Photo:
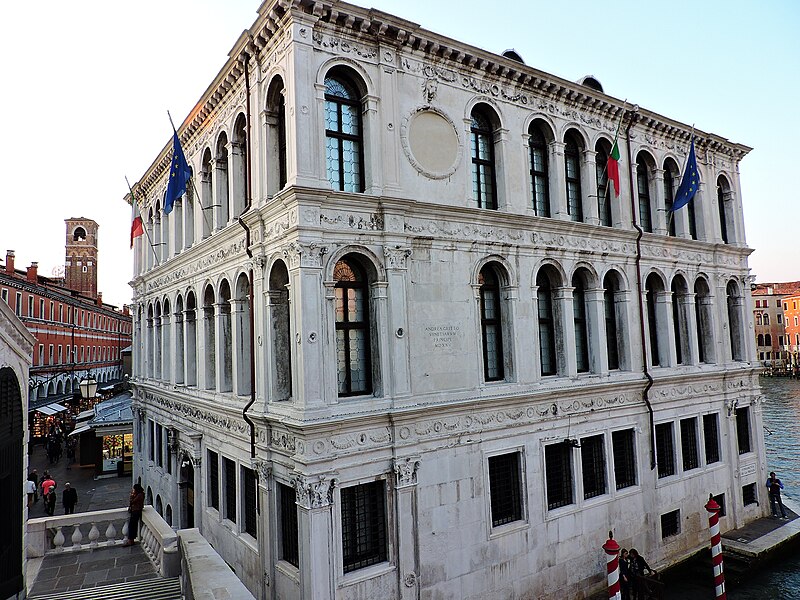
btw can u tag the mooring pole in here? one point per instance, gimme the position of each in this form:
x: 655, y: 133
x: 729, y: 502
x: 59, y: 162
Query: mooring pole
x: 611, y: 548
x: 716, y: 549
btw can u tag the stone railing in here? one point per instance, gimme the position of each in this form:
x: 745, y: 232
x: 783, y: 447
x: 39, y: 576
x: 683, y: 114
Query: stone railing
x: 103, y: 529
x: 204, y: 575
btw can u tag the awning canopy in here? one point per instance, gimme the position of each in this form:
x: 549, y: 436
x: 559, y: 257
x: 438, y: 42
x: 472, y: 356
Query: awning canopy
x: 80, y: 429
x: 86, y: 414
x: 52, y: 409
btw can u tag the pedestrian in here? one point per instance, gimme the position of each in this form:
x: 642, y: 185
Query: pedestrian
x: 639, y: 570
x: 135, y: 508
x: 775, y: 485
x: 30, y: 490
x: 69, y: 498
x: 34, y: 477
x: 624, y: 575
x: 49, y: 493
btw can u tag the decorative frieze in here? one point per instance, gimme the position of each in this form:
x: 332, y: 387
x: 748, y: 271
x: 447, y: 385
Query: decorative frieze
x: 343, y: 46
x: 197, y: 414
x: 200, y: 265
x: 372, y: 222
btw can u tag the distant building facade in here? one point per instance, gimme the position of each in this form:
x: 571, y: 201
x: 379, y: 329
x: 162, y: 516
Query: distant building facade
x: 773, y: 330
x: 452, y: 334
x: 791, y: 315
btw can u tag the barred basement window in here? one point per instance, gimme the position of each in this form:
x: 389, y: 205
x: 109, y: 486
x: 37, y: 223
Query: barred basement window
x: 691, y: 460
x: 152, y: 437
x: 558, y: 475
x: 622, y: 443
x: 720, y: 499
x: 505, y: 489
x: 711, y: 438
x: 743, y: 429
x: 665, y: 450
x: 364, y: 539
x: 250, y: 502
x: 213, y: 479
x: 287, y: 511
x: 593, y: 465
x: 670, y: 524
x: 749, y: 494
x: 230, y: 489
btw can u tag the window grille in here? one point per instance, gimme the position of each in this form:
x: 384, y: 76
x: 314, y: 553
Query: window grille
x: 573, y: 179
x: 593, y: 466
x: 505, y: 488
x: 720, y: 499
x: 670, y: 524
x: 665, y: 450
x: 287, y: 501
x: 711, y: 438
x: 691, y: 460
x: 540, y: 191
x: 364, y: 539
x: 343, y: 136
x: 352, y: 329
x: 484, y: 188
x: 213, y: 479
x: 558, y: 475
x: 491, y: 324
x: 749, y: 494
x: 622, y: 443
x: 250, y: 501
x: 743, y: 429
x: 230, y: 489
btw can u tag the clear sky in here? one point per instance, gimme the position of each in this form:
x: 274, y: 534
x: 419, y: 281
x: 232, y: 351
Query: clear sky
x: 88, y: 84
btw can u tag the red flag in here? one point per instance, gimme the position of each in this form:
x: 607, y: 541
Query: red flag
x: 613, y: 168
x: 137, y: 229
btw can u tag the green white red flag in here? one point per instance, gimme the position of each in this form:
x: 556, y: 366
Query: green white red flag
x: 613, y: 167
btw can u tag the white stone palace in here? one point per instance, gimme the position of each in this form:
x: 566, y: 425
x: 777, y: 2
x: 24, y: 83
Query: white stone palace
x: 462, y: 361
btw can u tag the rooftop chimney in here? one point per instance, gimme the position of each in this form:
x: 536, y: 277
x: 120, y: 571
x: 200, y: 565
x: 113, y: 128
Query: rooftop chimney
x: 33, y: 272
x: 10, y: 262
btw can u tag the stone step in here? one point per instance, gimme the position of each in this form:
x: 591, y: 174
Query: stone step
x: 148, y: 589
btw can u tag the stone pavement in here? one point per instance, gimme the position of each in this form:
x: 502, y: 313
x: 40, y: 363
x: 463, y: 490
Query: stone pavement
x: 89, y: 568
x: 100, y: 494
x: 758, y: 539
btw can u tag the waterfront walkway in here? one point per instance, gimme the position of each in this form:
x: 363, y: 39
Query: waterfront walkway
x: 755, y: 541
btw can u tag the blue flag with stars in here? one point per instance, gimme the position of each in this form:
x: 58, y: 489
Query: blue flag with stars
x: 689, y: 184
x: 179, y: 173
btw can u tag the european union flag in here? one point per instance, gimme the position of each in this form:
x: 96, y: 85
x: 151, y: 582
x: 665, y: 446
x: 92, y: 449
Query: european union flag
x: 689, y: 184
x: 179, y: 174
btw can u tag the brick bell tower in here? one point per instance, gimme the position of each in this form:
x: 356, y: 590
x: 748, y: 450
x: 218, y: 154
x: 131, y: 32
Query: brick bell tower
x: 80, y: 266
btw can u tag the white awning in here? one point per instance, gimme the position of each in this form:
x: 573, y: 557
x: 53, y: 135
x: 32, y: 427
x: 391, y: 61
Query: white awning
x: 87, y: 414
x: 46, y: 410
x: 80, y: 429
x: 57, y: 407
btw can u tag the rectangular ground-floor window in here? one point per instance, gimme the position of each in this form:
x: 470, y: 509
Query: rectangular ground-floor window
x: 213, y: 479
x: 230, y: 489
x: 593, y: 466
x: 622, y: 443
x: 364, y: 540
x: 749, y: 494
x: 670, y: 524
x: 558, y: 475
x: 743, y: 429
x: 505, y: 489
x: 665, y: 450
x: 720, y: 499
x: 711, y: 437
x: 250, y: 501
x: 691, y: 460
x: 287, y: 525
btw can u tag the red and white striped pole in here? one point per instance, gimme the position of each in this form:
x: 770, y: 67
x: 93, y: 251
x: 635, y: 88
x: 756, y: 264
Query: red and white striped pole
x: 716, y: 549
x: 611, y: 548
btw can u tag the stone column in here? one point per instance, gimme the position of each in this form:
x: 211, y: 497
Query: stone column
x: 398, y: 335
x: 157, y: 349
x: 666, y: 330
x: 629, y: 354
x: 179, y: 354
x: 167, y: 352
x: 236, y: 156
x: 190, y: 346
x: 596, y: 323
x: 317, y: 546
x: 384, y: 385
x: 564, y: 323
x: 591, y: 210
x: 240, y: 347
x: 223, y: 347
x: 147, y: 370
x: 557, y: 177
x: 658, y: 207
x: 405, y: 491
x: 691, y: 326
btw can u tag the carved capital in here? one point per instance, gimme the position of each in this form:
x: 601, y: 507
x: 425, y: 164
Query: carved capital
x: 264, y: 470
x: 405, y: 470
x: 314, y: 491
x: 304, y: 255
x: 397, y: 257
x: 732, y: 405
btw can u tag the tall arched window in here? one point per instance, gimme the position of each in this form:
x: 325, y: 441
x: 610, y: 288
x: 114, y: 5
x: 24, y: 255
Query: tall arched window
x: 279, y: 318
x: 241, y: 324
x: 669, y: 194
x: 610, y: 289
x: 540, y: 187
x: 759, y: 319
x: 276, y: 136
x: 491, y: 324
x: 579, y: 311
x: 222, y: 211
x: 209, y: 335
x: 572, y: 170
x: 190, y: 326
x: 734, y: 302
x: 225, y: 341
x: 766, y: 319
x: 206, y: 194
x: 653, y: 287
x: 725, y: 212
x: 760, y: 339
x: 680, y: 292
x: 353, y: 359
x: 643, y: 189
x: 344, y: 136
x: 603, y: 188
x: 484, y: 186
x: 547, y: 329
x: 768, y: 340
x: 239, y: 166
x: 703, y: 307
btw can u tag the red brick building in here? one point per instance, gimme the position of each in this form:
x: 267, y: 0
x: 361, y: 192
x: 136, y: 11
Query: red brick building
x: 774, y: 342
x: 791, y: 314
x: 76, y: 332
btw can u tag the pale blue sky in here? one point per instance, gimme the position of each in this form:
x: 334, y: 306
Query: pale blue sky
x: 88, y: 84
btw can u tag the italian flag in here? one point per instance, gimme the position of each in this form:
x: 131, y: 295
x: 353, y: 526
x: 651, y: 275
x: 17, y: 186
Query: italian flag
x: 137, y: 229
x: 613, y: 168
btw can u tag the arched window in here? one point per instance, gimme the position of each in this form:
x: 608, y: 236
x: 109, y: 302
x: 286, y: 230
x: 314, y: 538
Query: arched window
x: 643, y: 189
x: 491, y: 323
x: 766, y: 319
x: 190, y: 343
x: 579, y: 312
x: 759, y: 319
x: 276, y: 137
x: 653, y: 288
x: 239, y: 166
x: 344, y: 136
x: 768, y: 340
x: 209, y: 334
x: 760, y: 339
x: 225, y: 341
x: 484, y: 186
x: 734, y: 302
x: 725, y: 207
x: 241, y: 323
x: 353, y: 355
x: 221, y: 197
x: 703, y: 307
x: 547, y: 329
x: 680, y: 319
x: 167, y: 353
x: 572, y: 170
x: 206, y: 194
x: 610, y: 289
x: 670, y: 178
x: 604, y: 190
x: 281, y: 355
x: 157, y: 355
x: 540, y: 186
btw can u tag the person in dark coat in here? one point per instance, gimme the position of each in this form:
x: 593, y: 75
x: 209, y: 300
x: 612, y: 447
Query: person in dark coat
x: 34, y: 477
x: 69, y: 498
x: 624, y: 575
x: 775, y: 485
x: 135, y: 508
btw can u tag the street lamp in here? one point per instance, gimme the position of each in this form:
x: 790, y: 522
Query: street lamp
x: 88, y: 387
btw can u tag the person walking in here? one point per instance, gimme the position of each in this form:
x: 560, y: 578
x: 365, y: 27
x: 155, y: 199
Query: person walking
x: 69, y: 498
x: 30, y: 490
x: 34, y: 477
x: 135, y: 508
x: 49, y: 493
x: 775, y: 485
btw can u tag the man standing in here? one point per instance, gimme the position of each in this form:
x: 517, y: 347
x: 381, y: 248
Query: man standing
x: 135, y: 509
x: 49, y: 493
x: 774, y: 485
x: 69, y: 498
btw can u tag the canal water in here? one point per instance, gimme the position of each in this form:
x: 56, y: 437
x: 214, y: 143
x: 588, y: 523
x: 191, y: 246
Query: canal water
x: 781, y: 579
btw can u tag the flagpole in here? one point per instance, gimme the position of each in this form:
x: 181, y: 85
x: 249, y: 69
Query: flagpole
x: 144, y: 228
x: 605, y: 167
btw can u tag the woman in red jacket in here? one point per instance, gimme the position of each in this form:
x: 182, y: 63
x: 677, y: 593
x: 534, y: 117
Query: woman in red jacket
x: 135, y: 508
